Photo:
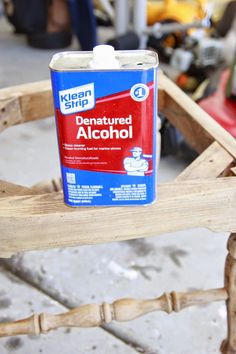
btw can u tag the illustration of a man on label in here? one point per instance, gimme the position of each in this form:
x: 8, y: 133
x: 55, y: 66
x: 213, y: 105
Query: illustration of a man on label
x: 136, y: 165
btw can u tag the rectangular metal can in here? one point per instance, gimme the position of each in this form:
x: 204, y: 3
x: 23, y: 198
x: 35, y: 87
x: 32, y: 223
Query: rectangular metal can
x: 107, y: 126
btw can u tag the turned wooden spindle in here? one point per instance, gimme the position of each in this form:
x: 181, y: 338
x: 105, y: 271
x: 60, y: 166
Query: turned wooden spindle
x: 229, y: 345
x: 121, y: 310
x: 29, y: 325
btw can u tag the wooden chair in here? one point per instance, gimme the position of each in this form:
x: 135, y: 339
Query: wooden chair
x: 203, y: 195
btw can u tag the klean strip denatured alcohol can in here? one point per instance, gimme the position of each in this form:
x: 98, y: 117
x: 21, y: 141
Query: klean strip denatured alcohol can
x: 106, y: 116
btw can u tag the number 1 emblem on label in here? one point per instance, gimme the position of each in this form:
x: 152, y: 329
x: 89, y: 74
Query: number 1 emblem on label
x: 139, y: 92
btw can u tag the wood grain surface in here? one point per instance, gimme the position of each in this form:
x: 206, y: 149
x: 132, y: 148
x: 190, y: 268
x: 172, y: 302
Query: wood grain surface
x: 212, y: 162
x: 44, y: 221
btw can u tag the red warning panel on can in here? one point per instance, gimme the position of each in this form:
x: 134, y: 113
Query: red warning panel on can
x: 106, y: 124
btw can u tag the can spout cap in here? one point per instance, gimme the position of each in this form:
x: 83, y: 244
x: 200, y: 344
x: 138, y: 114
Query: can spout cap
x: 104, y: 58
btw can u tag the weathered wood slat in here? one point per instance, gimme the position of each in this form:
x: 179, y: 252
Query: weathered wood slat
x: 211, y: 163
x: 34, y: 100
x: 233, y: 170
x: 11, y: 189
x: 10, y: 112
x: 43, y: 221
x: 198, y: 128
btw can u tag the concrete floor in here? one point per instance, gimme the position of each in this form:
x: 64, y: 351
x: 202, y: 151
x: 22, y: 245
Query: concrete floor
x: 53, y: 281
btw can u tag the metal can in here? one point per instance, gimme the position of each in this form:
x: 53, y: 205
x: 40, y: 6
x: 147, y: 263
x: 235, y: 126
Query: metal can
x: 106, y: 116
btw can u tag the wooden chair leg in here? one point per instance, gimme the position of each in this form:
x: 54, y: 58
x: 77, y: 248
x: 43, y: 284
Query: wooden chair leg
x: 229, y: 345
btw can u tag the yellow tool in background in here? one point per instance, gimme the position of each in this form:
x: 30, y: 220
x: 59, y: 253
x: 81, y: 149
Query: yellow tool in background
x: 182, y: 11
x: 177, y: 11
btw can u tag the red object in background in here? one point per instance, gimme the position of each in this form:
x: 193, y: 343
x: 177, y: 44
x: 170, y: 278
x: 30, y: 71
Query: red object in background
x: 221, y: 108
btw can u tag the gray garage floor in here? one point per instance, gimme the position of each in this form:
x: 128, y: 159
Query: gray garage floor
x: 53, y: 281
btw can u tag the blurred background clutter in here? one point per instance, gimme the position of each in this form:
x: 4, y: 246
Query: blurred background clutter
x: 195, y: 40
